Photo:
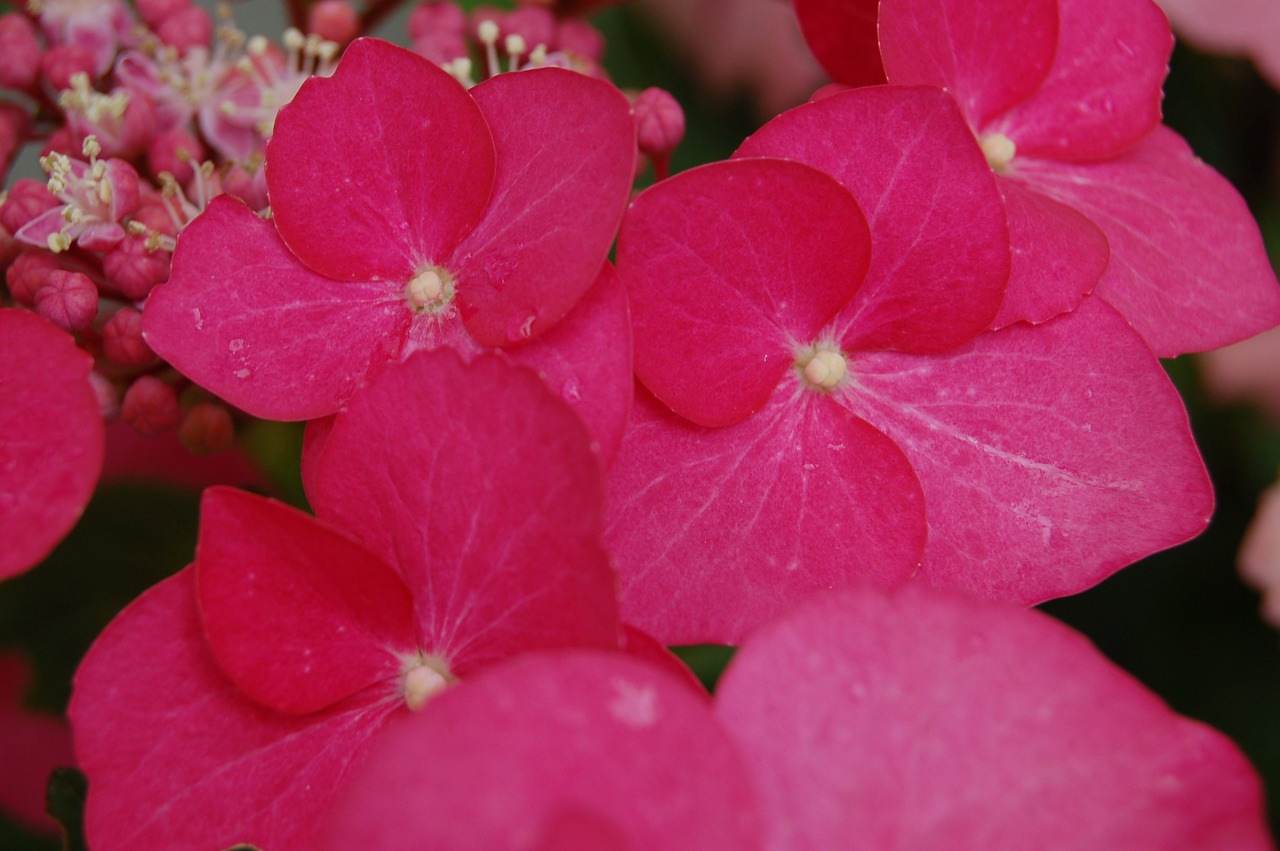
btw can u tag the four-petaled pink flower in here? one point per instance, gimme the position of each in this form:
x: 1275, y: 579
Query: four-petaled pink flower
x: 226, y: 704
x: 406, y: 213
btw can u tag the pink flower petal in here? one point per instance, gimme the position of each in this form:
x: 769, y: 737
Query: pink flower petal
x: 941, y: 246
x: 52, y: 448
x: 989, y: 54
x: 179, y: 759
x: 717, y: 530
x: 523, y: 752
x: 480, y: 488
x: 1051, y: 456
x: 31, y: 745
x: 842, y: 34
x: 930, y: 720
x: 381, y: 168
x: 644, y: 646
x: 297, y: 615
x: 1188, y: 268
x: 262, y: 331
x: 1058, y: 256
x: 1104, y: 90
x: 730, y: 267
x: 563, y: 178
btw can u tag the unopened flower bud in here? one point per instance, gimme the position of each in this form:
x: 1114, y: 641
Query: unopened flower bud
x: 108, y: 395
x: 19, y: 53
x: 151, y: 406
x: 62, y: 62
x: 334, y: 20
x: 27, y: 199
x: 186, y: 28
x: 153, y: 12
x: 251, y: 188
x: 27, y: 274
x: 437, y: 31
x: 122, y: 339
x: 207, y: 428
x: 659, y: 127
x: 580, y: 38
x: 153, y: 216
x: 14, y: 123
x: 176, y: 151
x: 68, y: 300
x: 133, y: 268
x: 536, y: 26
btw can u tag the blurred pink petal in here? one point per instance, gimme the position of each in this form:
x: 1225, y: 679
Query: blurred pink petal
x: 32, y: 744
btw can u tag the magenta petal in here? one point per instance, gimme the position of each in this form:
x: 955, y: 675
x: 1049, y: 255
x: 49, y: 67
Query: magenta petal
x: 481, y: 488
x: 730, y: 267
x: 642, y: 645
x: 1051, y: 456
x: 31, y: 746
x: 842, y: 34
x: 179, y: 759
x: 51, y: 452
x: 297, y: 615
x: 587, y: 360
x: 381, y: 168
x: 1188, y: 268
x: 941, y: 246
x: 989, y: 54
x: 1104, y: 90
x: 1058, y: 256
x: 243, y: 318
x: 928, y: 720
x: 511, y: 755
x: 566, y: 148
x: 718, y: 530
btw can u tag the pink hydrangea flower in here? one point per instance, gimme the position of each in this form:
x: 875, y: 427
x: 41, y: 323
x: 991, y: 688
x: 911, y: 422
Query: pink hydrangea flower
x: 53, y: 444
x: 32, y: 744
x: 405, y: 215
x: 1064, y: 98
x: 227, y: 703
x: 567, y: 750
x: 930, y: 720
x: 810, y: 422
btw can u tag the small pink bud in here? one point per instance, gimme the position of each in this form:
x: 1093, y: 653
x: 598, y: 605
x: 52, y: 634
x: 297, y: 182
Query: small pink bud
x: 126, y: 136
x: 436, y: 30
x: 122, y: 339
x: 580, y: 38
x: 175, y: 151
x: 62, y: 141
x: 10, y: 248
x: 63, y: 61
x: 108, y: 395
x: 186, y: 28
x: 152, y: 213
x: 207, y: 429
x: 27, y: 199
x: 27, y: 274
x: 153, y: 12
x: 14, y: 124
x: 68, y: 300
x: 659, y: 127
x: 536, y: 26
x: 151, y: 406
x: 133, y: 268
x: 19, y: 53
x: 249, y: 188
x: 334, y: 20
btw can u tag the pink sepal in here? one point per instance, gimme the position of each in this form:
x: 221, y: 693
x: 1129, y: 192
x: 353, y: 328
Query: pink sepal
x: 297, y: 615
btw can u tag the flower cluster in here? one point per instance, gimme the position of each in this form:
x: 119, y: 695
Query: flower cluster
x: 849, y: 400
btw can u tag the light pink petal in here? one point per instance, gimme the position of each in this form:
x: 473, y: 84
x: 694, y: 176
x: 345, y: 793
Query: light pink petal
x: 480, y: 487
x: 586, y: 359
x: 179, y: 759
x: 1051, y: 456
x: 381, y: 168
x: 297, y: 615
x: 51, y: 451
x: 1188, y: 268
x: 717, y: 530
x: 842, y: 34
x: 730, y: 267
x: 510, y: 755
x: 989, y: 54
x: 1058, y: 256
x: 925, y: 720
x: 31, y: 745
x: 243, y: 318
x: 940, y: 257
x: 1246, y: 371
x: 566, y: 148
x: 1104, y: 90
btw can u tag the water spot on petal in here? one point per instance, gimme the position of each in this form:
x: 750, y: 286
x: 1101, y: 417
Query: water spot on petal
x: 571, y: 391
x: 635, y: 706
x: 243, y: 373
